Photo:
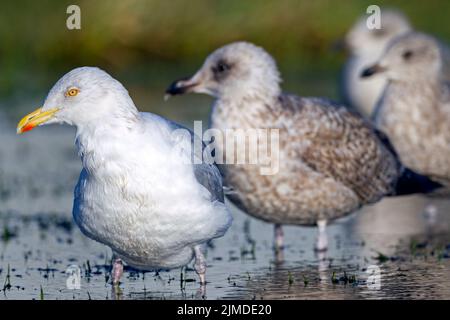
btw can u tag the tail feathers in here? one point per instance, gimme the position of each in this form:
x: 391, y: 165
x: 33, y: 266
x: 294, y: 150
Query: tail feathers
x: 411, y: 182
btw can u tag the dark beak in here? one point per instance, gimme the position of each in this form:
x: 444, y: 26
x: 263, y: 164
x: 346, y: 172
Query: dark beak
x: 180, y: 86
x: 372, y: 70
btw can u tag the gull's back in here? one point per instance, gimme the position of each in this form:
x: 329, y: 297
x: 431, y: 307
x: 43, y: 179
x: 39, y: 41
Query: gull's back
x: 331, y: 161
x: 341, y: 145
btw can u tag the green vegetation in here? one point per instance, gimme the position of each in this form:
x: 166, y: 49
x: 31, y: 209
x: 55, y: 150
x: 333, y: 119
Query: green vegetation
x: 41, y: 293
x: 7, y: 284
x: 305, y: 281
x: 381, y: 257
x: 147, y: 44
x: 334, y: 278
x: 7, y: 233
x: 290, y: 278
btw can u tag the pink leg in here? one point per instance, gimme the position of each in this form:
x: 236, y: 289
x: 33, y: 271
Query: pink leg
x: 117, y: 271
x: 322, y: 239
x: 200, y: 264
x: 279, y: 237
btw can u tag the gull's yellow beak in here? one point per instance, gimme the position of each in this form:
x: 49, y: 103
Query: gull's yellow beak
x: 34, y: 119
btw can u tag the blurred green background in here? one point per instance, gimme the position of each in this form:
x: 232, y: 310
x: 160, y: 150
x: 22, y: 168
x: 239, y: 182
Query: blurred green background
x: 148, y: 43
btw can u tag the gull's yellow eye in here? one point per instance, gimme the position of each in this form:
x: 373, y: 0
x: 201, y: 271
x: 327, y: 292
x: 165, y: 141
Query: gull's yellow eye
x: 72, y: 92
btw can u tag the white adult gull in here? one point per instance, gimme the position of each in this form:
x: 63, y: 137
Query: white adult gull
x: 136, y: 193
x: 332, y: 161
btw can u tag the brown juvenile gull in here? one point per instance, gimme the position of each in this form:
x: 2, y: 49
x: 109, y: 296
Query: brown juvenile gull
x: 414, y: 111
x: 331, y: 161
x: 139, y: 192
x: 365, y: 46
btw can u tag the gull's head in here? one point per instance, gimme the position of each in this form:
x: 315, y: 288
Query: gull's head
x: 237, y: 69
x: 362, y: 41
x: 410, y: 57
x: 80, y: 97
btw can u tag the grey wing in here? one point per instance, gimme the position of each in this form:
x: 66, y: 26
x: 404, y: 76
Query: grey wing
x: 341, y: 145
x: 208, y: 175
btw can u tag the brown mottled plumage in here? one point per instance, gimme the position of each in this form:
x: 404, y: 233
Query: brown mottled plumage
x: 331, y: 161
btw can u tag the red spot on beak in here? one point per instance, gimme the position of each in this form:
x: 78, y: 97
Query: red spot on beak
x: 28, y: 127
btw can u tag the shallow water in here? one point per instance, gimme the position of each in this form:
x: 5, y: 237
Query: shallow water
x: 39, y: 241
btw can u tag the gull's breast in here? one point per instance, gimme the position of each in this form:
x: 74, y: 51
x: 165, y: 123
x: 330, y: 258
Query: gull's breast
x: 139, y: 219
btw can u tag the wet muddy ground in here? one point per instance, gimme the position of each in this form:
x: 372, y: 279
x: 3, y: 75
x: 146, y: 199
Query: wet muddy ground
x: 39, y: 241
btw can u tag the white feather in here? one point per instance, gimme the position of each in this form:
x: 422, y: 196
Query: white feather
x: 135, y: 194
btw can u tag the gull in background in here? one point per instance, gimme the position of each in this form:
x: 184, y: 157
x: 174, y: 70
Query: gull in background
x: 135, y: 194
x: 414, y: 111
x: 365, y: 46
